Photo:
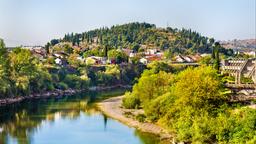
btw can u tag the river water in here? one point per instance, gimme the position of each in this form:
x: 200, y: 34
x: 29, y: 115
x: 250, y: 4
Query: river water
x: 66, y: 120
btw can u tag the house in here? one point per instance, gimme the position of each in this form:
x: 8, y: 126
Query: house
x: 80, y: 58
x: 96, y: 60
x: 111, y: 61
x: 58, y: 55
x: 39, y: 53
x: 154, y: 58
x: 151, y: 52
x: 179, y: 59
x: 129, y: 52
x: 250, y: 53
x: 196, y: 57
x: 132, y: 55
x: 205, y: 55
x: 91, y: 61
x: 160, y: 54
x: 143, y: 61
x: 188, y: 59
x: 58, y: 61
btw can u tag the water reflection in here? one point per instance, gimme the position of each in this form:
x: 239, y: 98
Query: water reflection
x: 20, y: 122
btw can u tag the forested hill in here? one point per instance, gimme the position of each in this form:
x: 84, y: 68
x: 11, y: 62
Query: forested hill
x: 139, y: 36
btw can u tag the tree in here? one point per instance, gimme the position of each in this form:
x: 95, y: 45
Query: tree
x: 157, y: 66
x: 199, y: 87
x: 4, y: 73
x: 215, y: 56
x: 152, y: 85
x: 135, y: 35
x: 27, y: 73
x: 73, y: 60
x: 54, y: 42
x: 135, y: 47
x: 105, y: 51
x: 207, y: 61
x: 117, y: 55
x: 47, y: 47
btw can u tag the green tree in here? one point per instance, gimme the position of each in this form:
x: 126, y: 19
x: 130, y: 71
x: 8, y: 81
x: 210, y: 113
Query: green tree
x: 215, y: 56
x: 4, y: 73
x: 117, y: 55
x: 73, y: 60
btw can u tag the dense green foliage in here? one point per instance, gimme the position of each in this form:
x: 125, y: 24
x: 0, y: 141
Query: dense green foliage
x: 22, y: 74
x: 192, y: 105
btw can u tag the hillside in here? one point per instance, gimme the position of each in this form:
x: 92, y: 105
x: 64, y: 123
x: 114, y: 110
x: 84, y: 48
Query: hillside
x: 246, y: 44
x: 138, y: 37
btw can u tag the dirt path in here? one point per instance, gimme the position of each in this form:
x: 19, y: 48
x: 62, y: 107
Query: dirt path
x: 112, y: 108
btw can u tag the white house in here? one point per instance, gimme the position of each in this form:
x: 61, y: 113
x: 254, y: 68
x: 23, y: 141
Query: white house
x: 151, y: 52
x: 131, y: 54
x: 58, y: 55
x: 188, y: 59
x: 143, y: 61
x: 250, y: 53
x: 80, y: 58
x: 179, y: 58
x: 58, y: 61
x: 205, y: 55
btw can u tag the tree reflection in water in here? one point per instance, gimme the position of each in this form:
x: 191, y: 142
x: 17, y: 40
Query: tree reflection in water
x: 21, y: 121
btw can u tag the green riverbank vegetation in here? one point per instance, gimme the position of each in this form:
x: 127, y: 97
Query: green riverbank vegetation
x: 193, y: 105
x: 23, y: 74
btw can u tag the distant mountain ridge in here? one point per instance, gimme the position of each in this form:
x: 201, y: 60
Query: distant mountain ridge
x: 246, y: 44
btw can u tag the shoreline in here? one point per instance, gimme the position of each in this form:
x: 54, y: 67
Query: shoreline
x: 48, y: 94
x: 56, y: 93
x: 112, y: 108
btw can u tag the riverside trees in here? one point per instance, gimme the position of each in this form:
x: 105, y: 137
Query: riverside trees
x: 192, y: 105
x: 22, y: 74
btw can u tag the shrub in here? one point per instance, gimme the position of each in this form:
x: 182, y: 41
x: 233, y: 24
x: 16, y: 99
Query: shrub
x: 130, y: 101
x: 72, y: 80
x: 128, y: 114
x: 140, y: 117
x: 50, y: 87
x: 62, y: 86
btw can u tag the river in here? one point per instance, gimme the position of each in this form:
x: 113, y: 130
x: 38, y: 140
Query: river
x: 66, y: 120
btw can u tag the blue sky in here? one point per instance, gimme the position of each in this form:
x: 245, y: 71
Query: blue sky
x: 31, y: 22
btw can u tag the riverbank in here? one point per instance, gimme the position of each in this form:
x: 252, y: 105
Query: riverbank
x: 57, y: 93
x: 112, y: 108
x: 54, y: 93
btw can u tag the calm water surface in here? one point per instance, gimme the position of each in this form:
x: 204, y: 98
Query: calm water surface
x: 66, y: 120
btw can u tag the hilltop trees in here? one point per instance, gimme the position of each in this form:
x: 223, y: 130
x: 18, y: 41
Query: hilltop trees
x: 135, y: 35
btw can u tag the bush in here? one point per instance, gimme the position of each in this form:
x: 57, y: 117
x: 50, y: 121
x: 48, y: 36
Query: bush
x: 62, y: 86
x: 73, y: 81
x: 238, y: 126
x: 140, y: 117
x: 158, y: 107
x: 50, y: 87
x: 130, y: 101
